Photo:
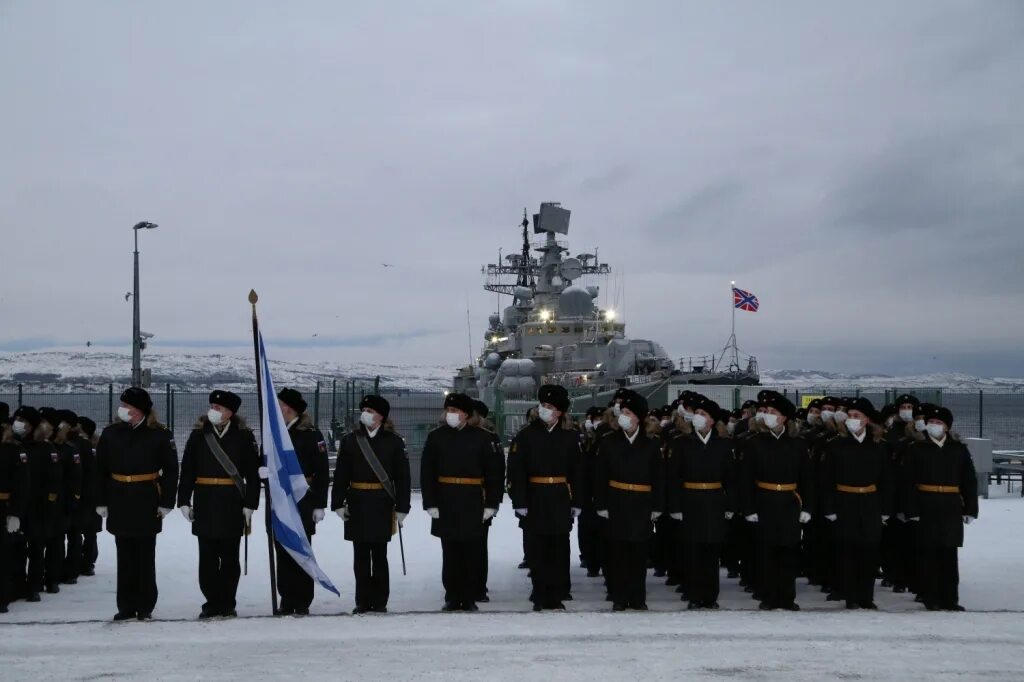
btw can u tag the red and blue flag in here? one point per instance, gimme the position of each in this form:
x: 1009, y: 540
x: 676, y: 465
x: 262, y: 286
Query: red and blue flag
x: 744, y: 300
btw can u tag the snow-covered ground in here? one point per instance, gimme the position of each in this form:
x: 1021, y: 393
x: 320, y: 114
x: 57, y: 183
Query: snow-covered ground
x: 70, y: 636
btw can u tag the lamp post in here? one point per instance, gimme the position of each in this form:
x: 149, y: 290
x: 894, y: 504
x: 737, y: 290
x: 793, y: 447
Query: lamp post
x: 136, y: 335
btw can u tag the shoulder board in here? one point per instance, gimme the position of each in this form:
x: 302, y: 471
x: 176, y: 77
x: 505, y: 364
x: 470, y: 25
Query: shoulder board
x: 608, y: 433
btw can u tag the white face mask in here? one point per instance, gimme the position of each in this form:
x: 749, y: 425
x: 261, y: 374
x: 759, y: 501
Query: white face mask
x: 936, y: 431
x: 827, y: 415
x: 919, y: 424
x: 730, y: 427
x: 546, y: 414
x: 854, y: 425
x: 841, y: 417
x: 770, y: 420
x: 688, y: 416
x: 452, y: 419
x: 367, y: 419
x: 759, y: 417
x: 588, y: 425
x: 19, y: 427
x: 907, y: 415
x: 680, y: 410
x: 664, y: 423
x: 124, y: 414
x: 215, y: 417
x: 813, y: 418
x: 626, y: 422
x: 699, y: 421
x: 616, y: 409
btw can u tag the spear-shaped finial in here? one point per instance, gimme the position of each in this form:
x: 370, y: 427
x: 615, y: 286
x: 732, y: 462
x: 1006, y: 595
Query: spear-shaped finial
x: 253, y: 297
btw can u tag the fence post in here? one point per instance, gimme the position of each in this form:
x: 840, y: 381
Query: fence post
x: 796, y: 397
x: 110, y: 403
x: 170, y: 409
x: 167, y: 402
x: 19, y: 395
x: 736, y: 397
x: 316, y: 406
x: 981, y: 413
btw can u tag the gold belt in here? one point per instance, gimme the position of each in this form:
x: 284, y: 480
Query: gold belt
x: 134, y: 478
x: 547, y: 479
x: 861, y: 489
x: 777, y: 487
x: 456, y: 480
x: 715, y: 485
x: 5, y: 496
x: 938, y: 488
x: 208, y: 480
x: 631, y: 487
x: 356, y: 485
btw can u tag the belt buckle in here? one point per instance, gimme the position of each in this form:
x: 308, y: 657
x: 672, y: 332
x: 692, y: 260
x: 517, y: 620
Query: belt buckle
x: 128, y: 478
x: 778, y: 487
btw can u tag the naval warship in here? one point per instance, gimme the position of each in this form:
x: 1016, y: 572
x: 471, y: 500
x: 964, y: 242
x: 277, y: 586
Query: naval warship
x: 555, y: 331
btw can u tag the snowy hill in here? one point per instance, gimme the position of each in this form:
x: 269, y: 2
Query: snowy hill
x: 85, y: 371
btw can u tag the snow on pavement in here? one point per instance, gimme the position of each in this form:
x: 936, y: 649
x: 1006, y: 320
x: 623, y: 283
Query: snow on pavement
x: 69, y: 636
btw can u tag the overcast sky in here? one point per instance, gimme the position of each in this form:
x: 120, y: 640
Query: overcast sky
x: 858, y: 166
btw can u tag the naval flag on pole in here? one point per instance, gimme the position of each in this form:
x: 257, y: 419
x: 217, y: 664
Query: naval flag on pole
x: 286, y: 481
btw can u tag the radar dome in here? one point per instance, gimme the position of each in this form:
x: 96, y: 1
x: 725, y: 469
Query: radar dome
x: 492, y: 361
x: 575, y: 302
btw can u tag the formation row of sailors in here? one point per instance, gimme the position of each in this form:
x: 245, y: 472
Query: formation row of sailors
x: 48, y: 522
x: 766, y: 492
x: 833, y: 494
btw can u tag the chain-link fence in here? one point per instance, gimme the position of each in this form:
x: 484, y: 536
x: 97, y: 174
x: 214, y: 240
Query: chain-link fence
x: 334, y: 407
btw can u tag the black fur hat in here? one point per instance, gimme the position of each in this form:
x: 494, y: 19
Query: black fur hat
x: 225, y: 399
x: 293, y: 399
x: 376, y: 403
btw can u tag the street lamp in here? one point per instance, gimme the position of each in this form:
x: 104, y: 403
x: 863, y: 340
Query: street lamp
x: 136, y: 335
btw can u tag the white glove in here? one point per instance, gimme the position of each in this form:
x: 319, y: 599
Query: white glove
x: 102, y: 511
x: 728, y: 516
x: 575, y: 511
x: 186, y: 511
x: 885, y: 519
x: 915, y: 518
x: 433, y: 513
x: 264, y: 473
x: 655, y: 516
x: 162, y: 512
x: 401, y: 518
x: 830, y: 517
x: 489, y: 514
x: 14, y: 524
x: 751, y: 517
x: 900, y: 517
x: 678, y: 516
x: 521, y: 513
x: 342, y: 513
x: 318, y: 515
x: 967, y: 520
x: 247, y: 515
x: 603, y: 513
x: 804, y: 517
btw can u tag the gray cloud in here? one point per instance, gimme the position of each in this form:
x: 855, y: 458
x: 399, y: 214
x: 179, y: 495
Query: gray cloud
x: 810, y: 151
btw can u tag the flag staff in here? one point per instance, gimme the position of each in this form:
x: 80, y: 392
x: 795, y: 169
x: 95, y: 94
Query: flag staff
x: 268, y: 518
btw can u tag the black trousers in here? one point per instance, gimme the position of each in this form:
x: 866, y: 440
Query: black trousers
x: 777, y: 567
x: 628, y: 579
x: 90, y: 551
x: 938, y: 576
x: 136, y: 574
x: 702, y: 576
x: 549, y: 564
x: 45, y: 562
x: 858, y: 569
x: 373, y: 578
x: 459, y: 566
x: 591, y: 539
x: 293, y: 584
x: 5, y: 564
x: 482, y: 561
x: 825, y: 552
x: 73, y: 554
x: 219, y: 571
x: 17, y: 560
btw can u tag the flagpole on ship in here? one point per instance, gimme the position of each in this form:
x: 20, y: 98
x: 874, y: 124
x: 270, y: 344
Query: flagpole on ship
x: 253, y: 298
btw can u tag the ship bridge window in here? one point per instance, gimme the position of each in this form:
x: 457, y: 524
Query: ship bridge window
x: 579, y: 330
x: 565, y: 330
